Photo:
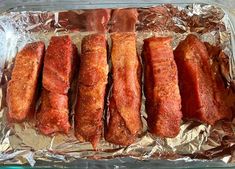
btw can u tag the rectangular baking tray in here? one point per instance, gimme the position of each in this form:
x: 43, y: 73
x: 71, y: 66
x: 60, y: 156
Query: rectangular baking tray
x: 123, y: 163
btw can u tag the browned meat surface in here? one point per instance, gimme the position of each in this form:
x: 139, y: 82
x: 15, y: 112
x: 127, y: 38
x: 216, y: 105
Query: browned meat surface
x: 123, y: 20
x: 163, y: 101
x: 92, y: 81
x: 123, y: 121
x: 22, y: 88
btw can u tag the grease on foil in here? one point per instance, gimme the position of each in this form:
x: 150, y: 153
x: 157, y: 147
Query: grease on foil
x: 21, y: 143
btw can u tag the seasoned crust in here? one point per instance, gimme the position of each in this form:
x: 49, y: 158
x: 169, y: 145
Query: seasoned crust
x: 23, y: 86
x: 53, y: 113
x: 58, y: 65
x: 163, y: 101
x: 92, y: 81
x: 124, y: 123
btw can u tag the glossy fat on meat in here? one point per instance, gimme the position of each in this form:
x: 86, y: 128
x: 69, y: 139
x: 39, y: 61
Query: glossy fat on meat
x: 123, y: 116
x: 163, y: 101
x: 22, y: 88
x: 123, y: 20
x: 53, y: 113
x: 199, y: 92
x: 92, y: 81
x: 95, y: 20
x: 58, y: 65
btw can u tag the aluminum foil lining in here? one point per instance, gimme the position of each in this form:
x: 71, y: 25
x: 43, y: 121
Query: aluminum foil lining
x: 21, y: 143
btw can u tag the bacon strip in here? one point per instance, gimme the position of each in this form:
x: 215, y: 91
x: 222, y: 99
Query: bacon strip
x: 199, y: 92
x: 22, y: 88
x: 163, y: 101
x: 123, y: 121
x: 92, y: 81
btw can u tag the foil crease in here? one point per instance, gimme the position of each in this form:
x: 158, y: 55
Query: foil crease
x: 21, y: 143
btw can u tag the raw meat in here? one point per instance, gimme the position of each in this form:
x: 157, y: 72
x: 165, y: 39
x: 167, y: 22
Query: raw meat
x: 53, y: 113
x: 58, y: 65
x: 92, y: 81
x: 22, y: 88
x: 123, y: 121
x: 198, y: 90
x: 163, y: 101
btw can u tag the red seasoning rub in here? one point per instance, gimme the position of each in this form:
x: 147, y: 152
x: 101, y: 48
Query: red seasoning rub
x: 57, y: 65
x: 22, y: 88
x: 123, y: 20
x: 92, y: 81
x: 198, y: 88
x: 163, y: 101
x: 57, y: 74
x: 123, y: 116
x: 53, y: 113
